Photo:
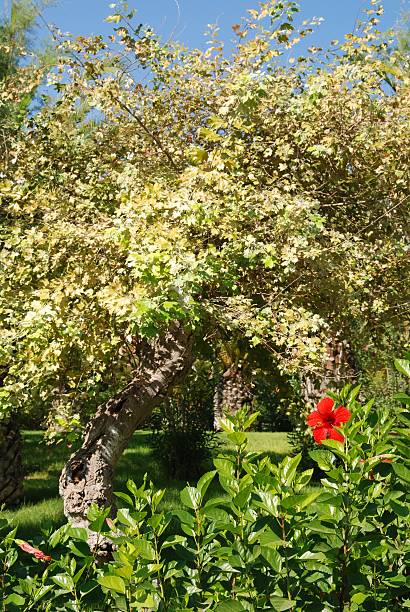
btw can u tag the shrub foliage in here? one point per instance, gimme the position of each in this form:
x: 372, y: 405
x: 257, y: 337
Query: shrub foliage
x: 182, y: 427
x: 267, y: 542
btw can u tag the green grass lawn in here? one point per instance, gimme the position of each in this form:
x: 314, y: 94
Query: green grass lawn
x: 42, y: 509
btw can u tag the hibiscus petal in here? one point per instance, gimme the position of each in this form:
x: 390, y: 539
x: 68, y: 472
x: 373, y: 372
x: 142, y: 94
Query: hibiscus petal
x: 27, y: 547
x: 336, y: 435
x: 315, y: 419
x: 325, y: 406
x: 341, y: 415
x: 38, y: 554
x: 321, y: 433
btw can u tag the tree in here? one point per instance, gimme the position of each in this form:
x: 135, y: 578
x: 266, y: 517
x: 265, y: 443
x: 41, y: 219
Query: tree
x: 396, y: 62
x: 205, y: 193
x: 17, y: 87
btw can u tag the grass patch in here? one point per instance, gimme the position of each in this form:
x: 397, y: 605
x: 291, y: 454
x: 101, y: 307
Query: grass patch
x: 42, y: 509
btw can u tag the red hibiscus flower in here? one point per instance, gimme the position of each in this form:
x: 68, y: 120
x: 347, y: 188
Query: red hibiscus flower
x: 325, y: 418
x: 38, y: 554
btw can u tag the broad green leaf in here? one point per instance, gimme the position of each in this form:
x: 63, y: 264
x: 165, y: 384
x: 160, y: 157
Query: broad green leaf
x: 237, y: 437
x: 191, y: 497
x: 42, y: 591
x: 187, y: 530
x: 269, y: 501
x: 197, y: 155
x: 403, y: 366
x: 243, y: 496
x: 312, y: 556
x: 300, y: 501
x: 184, y: 517
x: 250, y: 420
x: 288, y: 468
x: 77, y: 533
x: 112, y: 583
x: 132, y: 488
x: 94, y: 512
x: 224, y: 466
x: 148, y: 603
x: 402, y: 397
x: 359, y: 598
x: 269, y: 538
x: 205, y: 481
x: 230, y: 606
x: 64, y: 581
x: 144, y: 549
x: 172, y: 541
x: 157, y: 497
x: 124, y: 497
x: 216, y: 514
x: 80, y: 572
x: 97, y: 517
x: 280, y: 603
x: 124, y: 517
x: 79, y: 548
x: 208, y: 135
x: 16, y: 600
x: 320, y: 528
x: 57, y: 536
x: 226, y: 424
x: 402, y: 472
x: 400, y: 509
x: 336, y: 446
x: 272, y: 557
x: 353, y: 393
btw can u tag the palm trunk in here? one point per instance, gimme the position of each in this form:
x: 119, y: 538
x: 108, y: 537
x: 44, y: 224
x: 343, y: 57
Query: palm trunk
x: 88, y: 475
x: 339, y: 370
x: 231, y: 394
x: 11, y: 472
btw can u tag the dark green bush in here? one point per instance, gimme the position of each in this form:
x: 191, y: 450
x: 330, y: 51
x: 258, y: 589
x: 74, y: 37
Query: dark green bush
x: 270, y: 397
x: 183, y: 437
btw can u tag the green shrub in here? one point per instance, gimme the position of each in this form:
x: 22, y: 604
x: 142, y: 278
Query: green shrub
x: 272, y: 542
x: 182, y: 427
x: 271, y: 397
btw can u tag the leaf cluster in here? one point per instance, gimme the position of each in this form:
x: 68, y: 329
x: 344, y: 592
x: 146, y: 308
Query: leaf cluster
x: 269, y: 541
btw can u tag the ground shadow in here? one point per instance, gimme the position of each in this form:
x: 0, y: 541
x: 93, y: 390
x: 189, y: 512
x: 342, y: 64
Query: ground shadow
x: 42, y: 507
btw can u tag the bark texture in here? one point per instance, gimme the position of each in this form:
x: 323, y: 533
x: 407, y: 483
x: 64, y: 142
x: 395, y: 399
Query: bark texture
x: 339, y: 370
x: 11, y: 471
x: 88, y: 475
x: 231, y: 393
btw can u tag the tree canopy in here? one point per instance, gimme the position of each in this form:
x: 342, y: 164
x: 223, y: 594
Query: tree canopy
x: 263, y: 191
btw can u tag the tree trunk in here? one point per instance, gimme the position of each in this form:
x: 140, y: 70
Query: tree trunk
x: 339, y: 370
x: 88, y: 475
x: 231, y: 394
x: 11, y: 471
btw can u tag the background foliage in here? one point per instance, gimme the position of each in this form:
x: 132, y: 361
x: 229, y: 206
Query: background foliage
x: 183, y: 436
x: 278, y: 210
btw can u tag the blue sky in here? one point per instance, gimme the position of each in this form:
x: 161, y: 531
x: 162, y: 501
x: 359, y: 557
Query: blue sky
x: 189, y: 22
